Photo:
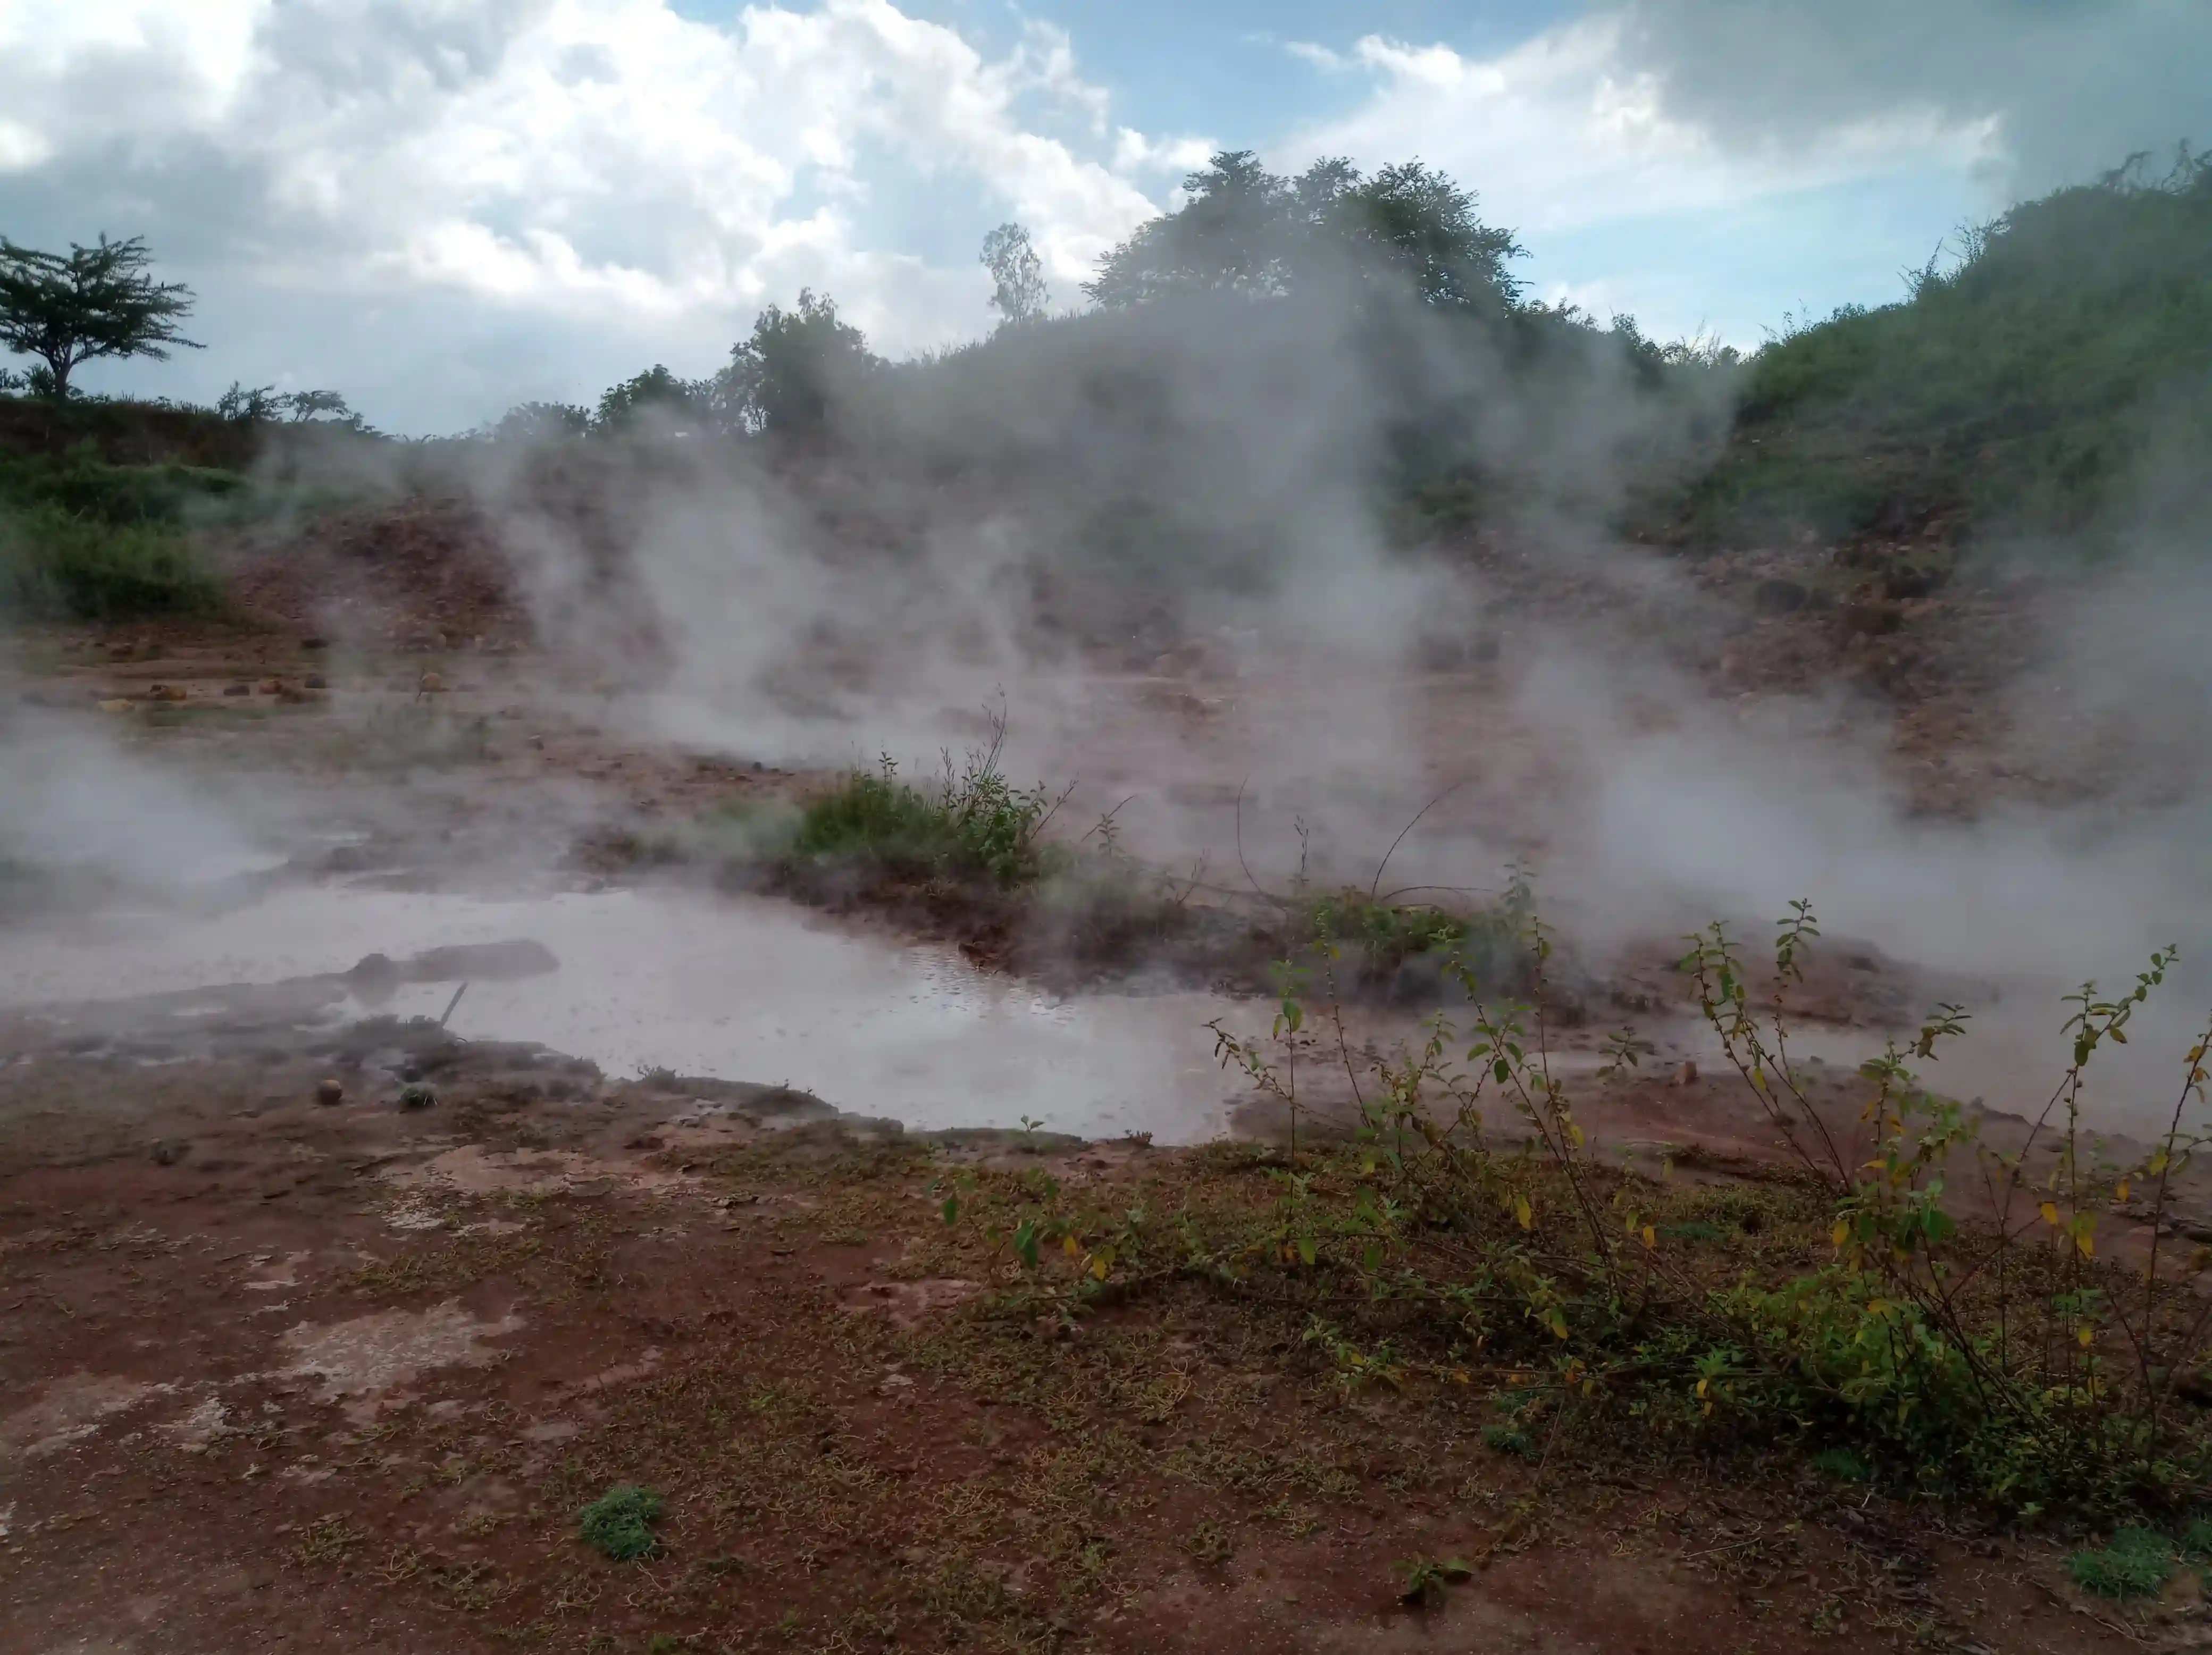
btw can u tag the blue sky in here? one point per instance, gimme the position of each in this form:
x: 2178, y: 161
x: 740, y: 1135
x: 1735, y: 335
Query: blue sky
x: 441, y: 208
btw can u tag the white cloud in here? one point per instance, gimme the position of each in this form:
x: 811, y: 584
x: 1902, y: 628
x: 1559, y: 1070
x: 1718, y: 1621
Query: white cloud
x: 1134, y: 153
x: 583, y: 160
x: 1569, y: 128
x: 2065, y: 87
x: 1318, y: 56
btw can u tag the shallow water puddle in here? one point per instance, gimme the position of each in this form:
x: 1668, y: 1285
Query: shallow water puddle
x: 740, y: 989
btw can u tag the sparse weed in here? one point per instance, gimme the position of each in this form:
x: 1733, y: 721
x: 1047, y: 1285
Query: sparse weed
x: 1424, y: 1578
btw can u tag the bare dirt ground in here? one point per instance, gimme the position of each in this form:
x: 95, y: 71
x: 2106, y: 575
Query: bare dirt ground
x: 283, y: 1374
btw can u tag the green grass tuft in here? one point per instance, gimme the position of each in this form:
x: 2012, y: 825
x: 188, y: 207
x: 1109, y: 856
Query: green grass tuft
x: 1842, y: 1464
x: 2134, y: 1563
x: 619, y: 1523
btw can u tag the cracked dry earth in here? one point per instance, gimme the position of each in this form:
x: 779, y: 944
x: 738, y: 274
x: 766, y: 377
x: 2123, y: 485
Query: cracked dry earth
x: 277, y: 1376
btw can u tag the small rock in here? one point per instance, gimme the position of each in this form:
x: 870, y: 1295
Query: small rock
x: 168, y: 1151
x: 328, y: 1092
x: 167, y: 693
x: 1778, y: 597
x: 272, y: 685
x: 1685, y: 1073
x: 431, y: 684
x: 416, y: 1095
x: 116, y: 705
x: 315, y: 681
x: 238, y: 689
x: 315, y: 643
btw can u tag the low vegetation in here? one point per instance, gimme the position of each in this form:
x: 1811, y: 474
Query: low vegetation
x: 84, y: 539
x: 1459, y: 1230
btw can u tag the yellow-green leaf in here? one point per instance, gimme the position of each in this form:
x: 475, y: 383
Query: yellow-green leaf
x: 1524, y: 1212
x: 2051, y: 1213
x: 1841, y: 1233
x: 1651, y: 1237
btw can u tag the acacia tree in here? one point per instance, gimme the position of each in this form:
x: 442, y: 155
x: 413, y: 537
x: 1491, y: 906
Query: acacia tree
x: 1018, y: 290
x: 68, y: 308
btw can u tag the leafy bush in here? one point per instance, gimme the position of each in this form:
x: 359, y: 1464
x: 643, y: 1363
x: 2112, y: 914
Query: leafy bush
x: 619, y: 1523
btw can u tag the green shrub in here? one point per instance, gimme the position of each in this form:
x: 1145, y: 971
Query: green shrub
x: 619, y: 1523
x: 969, y: 824
x: 1508, y: 1440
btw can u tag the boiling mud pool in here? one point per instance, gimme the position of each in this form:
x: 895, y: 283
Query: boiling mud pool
x: 739, y: 989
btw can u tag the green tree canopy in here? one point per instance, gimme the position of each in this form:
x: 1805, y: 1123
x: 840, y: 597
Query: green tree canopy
x: 1018, y: 290
x: 656, y: 388
x: 1248, y: 231
x: 100, y: 300
x: 794, y: 370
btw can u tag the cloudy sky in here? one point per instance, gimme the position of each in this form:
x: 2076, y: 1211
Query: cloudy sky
x: 441, y: 207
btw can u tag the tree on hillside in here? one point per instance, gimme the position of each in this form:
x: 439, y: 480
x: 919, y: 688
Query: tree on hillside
x: 91, y: 301
x: 656, y: 388
x: 1423, y: 225
x: 540, y: 422
x: 1018, y: 290
x: 1245, y: 230
x: 304, y: 407
x: 799, y: 364
x: 1233, y: 234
